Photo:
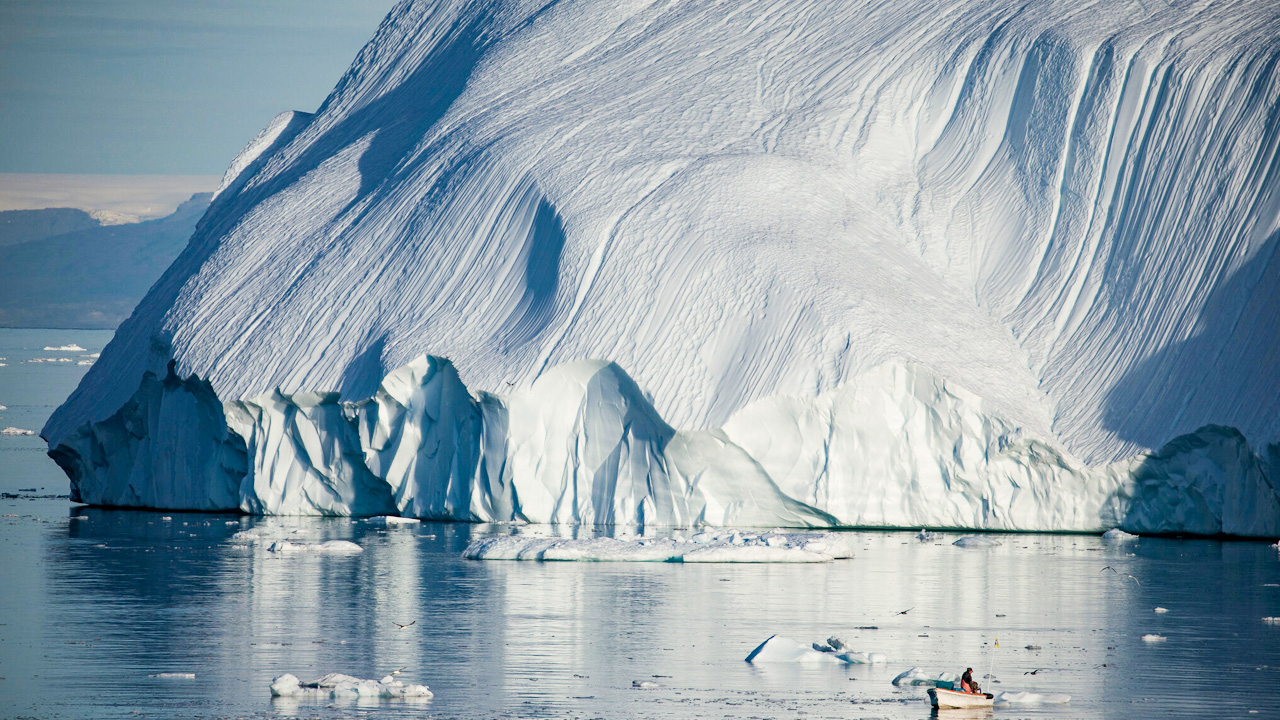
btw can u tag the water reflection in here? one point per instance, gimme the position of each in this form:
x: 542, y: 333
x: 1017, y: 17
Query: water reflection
x: 146, y: 595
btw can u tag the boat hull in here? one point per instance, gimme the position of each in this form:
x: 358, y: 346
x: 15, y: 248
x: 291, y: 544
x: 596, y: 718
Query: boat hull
x: 940, y: 698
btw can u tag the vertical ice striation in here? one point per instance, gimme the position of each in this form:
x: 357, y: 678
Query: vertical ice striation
x: 1016, y: 269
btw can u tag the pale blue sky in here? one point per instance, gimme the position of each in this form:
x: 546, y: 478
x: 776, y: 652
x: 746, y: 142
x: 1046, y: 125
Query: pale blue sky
x: 163, y: 87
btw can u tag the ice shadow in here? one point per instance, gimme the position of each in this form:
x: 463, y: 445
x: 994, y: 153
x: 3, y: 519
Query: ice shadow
x: 1225, y: 373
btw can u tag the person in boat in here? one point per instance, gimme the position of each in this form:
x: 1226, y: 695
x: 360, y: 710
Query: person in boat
x: 967, y: 684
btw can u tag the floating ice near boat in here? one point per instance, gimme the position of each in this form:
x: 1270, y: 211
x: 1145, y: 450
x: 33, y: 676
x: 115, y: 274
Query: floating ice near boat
x: 16, y: 431
x: 337, y: 685
x: 778, y: 649
x: 704, y: 547
x: 917, y: 676
x: 1118, y: 535
x: 330, y: 547
x: 976, y: 541
x: 64, y: 348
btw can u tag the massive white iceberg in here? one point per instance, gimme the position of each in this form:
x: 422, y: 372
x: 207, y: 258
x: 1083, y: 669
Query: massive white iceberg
x: 993, y: 265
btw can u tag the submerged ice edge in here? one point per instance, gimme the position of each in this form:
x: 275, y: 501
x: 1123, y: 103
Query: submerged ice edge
x: 895, y: 447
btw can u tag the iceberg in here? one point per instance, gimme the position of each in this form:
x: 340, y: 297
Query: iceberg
x: 679, y: 265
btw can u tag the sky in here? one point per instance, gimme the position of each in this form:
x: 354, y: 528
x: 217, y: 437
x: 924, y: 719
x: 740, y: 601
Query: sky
x: 154, y: 87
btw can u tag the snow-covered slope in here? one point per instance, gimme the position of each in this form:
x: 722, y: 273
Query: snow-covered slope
x: 882, y: 264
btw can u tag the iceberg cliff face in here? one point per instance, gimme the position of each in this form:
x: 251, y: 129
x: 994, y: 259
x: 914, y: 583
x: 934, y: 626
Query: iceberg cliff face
x: 868, y: 268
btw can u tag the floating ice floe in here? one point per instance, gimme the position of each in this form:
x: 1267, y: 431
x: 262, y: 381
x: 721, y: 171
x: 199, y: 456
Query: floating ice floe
x: 64, y: 348
x: 917, y: 676
x: 925, y: 536
x: 172, y: 675
x: 390, y: 520
x: 337, y: 685
x: 1271, y: 620
x: 644, y: 684
x: 1161, y: 610
x: 1118, y: 535
x: 976, y: 541
x: 1030, y: 698
x: 778, y: 649
x: 1153, y: 638
x: 50, y: 360
x: 3, y: 407
x: 16, y: 431
x: 330, y: 547
x: 717, y: 547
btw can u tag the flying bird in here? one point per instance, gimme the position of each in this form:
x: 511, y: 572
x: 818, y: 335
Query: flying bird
x: 1109, y: 568
x: 393, y: 622
x: 904, y: 612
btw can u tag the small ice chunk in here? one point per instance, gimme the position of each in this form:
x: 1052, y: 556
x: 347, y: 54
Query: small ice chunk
x: 785, y: 650
x: 389, y: 520
x: 1271, y: 620
x: 1153, y: 638
x: 1161, y: 610
x: 64, y: 348
x: 173, y: 675
x: 863, y: 658
x: 3, y: 407
x: 1118, y: 535
x: 778, y: 649
x: 16, y: 431
x: 976, y: 541
x: 836, y: 642
x: 1030, y: 698
x: 925, y: 536
x: 337, y: 685
x: 644, y: 684
x: 331, y: 547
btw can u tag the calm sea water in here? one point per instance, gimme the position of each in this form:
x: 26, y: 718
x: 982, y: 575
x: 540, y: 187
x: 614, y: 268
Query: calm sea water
x: 92, y: 608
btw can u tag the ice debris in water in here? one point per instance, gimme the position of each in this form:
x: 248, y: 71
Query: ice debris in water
x: 1271, y: 620
x: 925, y: 536
x: 16, y: 431
x: 976, y: 541
x: 1153, y: 638
x: 644, y: 684
x: 1030, y: 698
x: 778, y: 649
x: 1161, y: 610
x: 917, y: 676
x: 719, y: 547
x: 64, y: 348
x: 1118, y: 535
x: 337, y: 685
x: 172, y: 675
x: 330, y: 547
x: 390, y: 520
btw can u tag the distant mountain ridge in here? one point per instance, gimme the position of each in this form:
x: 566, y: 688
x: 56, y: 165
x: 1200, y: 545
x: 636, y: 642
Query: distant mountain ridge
x: 60, y: 268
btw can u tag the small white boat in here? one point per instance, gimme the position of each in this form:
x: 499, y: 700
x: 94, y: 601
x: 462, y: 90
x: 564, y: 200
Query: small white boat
x: 940, y: 698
